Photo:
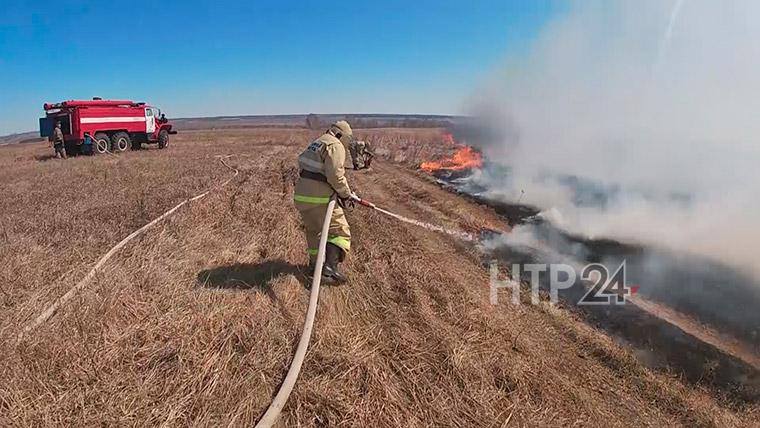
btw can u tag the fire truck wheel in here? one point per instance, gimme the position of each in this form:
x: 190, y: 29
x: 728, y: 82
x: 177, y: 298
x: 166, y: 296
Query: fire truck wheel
x: 102, y: 142
x: 163, y: 139
x: 120, y: 142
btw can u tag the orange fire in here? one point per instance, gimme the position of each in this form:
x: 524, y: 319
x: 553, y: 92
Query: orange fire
x: 464, y: 158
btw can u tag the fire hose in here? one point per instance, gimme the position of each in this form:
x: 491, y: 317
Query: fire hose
x: 455, y: 233
x: 274, y: 409
x: 270, y: 417
x: 73, y: 291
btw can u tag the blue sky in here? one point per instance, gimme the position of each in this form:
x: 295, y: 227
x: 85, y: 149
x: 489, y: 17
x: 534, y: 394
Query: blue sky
x: 198, y: 58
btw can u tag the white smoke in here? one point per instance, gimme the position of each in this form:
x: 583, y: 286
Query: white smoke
x: 656, y: 102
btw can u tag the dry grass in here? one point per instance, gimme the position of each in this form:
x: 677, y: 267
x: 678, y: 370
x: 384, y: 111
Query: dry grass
x: 196, y: 321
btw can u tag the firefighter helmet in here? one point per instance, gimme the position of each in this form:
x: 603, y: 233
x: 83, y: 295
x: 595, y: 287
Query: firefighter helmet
x: 342, y: 130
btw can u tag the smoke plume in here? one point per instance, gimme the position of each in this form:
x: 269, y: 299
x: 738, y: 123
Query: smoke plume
x: 635, y: 120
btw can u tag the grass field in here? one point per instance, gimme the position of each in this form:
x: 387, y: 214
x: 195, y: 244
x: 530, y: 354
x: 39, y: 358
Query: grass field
x: 195, y: 322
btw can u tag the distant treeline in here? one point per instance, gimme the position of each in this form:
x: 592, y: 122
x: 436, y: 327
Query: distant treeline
x: 314, y: 121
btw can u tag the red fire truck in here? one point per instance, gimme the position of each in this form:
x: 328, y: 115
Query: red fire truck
x: 113, y: 125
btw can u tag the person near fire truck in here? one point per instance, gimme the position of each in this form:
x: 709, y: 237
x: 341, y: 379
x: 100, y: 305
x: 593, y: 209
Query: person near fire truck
x: 58, y: 142
x: 322, y: 176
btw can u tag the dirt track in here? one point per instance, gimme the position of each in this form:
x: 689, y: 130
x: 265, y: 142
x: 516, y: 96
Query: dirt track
x: 197, y: 320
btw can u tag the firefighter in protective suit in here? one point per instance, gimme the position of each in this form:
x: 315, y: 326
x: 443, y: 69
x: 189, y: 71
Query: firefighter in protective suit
x: 356, y: 148
x: 322, y: 175
x: 361, y: 155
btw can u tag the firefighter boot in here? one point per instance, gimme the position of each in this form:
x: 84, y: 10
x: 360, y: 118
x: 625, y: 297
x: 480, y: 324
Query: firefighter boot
x: 333, y: 257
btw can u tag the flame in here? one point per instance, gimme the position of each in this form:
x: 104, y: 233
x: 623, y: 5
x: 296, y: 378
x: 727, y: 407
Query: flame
x: 465, y: 157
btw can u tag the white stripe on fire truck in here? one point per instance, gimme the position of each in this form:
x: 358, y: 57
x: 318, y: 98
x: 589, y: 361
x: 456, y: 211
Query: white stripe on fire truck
x: 111, y: 119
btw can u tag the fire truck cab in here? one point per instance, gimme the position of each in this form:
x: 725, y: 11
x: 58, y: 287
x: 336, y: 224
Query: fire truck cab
x: 113, y: 125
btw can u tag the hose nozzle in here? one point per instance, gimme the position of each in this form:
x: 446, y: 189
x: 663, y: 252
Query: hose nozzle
x: 361, y: 201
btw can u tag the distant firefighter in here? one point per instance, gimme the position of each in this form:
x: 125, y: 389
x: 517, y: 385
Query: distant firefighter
x: 361, y: 155
x: 58, y: 142
x: 322, y: 175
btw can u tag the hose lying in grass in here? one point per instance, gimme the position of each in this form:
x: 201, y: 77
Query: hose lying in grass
x: 273, y: 412
x: 455, y: 233
x: 52, y: 309
x: 270, y: 417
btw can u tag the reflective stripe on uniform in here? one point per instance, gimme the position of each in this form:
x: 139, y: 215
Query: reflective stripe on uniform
x: 340, y: 241
x: 311, y: 199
